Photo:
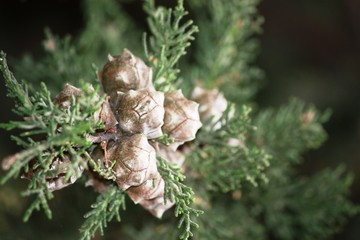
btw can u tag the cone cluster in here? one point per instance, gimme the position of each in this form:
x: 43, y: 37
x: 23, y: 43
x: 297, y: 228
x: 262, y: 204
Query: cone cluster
x: 137, y: 114
x: 143, y: 114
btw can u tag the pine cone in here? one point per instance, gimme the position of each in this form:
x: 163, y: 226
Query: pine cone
x: 150, y: 195
x: 60, y: 167
x: 99, y: 184
x: 135, y: 161
x: 125, y: 72
x: 56, y: 178
x: 167, y: 153
x: 64, y: 97
x: 106, y: 115
x: 150, y: 189
x: 141, y: 111
x: 212, y: 105
x: 182, y: 119
x: 157, y: 206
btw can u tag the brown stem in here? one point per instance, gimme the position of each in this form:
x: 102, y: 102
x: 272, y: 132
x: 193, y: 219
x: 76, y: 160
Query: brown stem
x: 101, y: 137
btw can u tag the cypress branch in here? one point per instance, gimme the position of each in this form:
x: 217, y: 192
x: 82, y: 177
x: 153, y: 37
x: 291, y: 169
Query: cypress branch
x: 285, y: 215
x: 61, y: 132
x: 38, y: 187
x: 15, y: 90
x: 296, y: 127
x: 227, y: 166
x: 227, y: 159
x: 182, y: 195
x: 60, y: 63
x: 170, y: 37
x: 226, y: 48
x: 105, y: 172
x: 118, y: 31
x: 107, y: 206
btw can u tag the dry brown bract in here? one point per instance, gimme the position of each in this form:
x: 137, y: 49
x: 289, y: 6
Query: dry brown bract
x: 182, y: 119
x: 141, y: 111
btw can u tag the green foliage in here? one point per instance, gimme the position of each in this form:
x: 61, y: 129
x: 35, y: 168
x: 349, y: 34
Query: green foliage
x: 304, y: 208
x: 243, y: 173
x: 229, y: 221
x: 114, y: 31
x: 226, y: 160
x: 182, y: 195
x: 151, y: 230
x: 69, y: 59
x: 164, y: 139
x: 105, y: 172
x: 60, y: 63
x: 290, y: 206
x: 168, y: 42
x: 296, y: 127
x: 324, y: 207
x: 61, y: 131
x: 107, y: 206
x: 225, y: 47
x: 38, y: 187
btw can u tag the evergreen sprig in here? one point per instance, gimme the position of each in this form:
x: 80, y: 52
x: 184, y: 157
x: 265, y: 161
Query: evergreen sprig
x: 227, y: 159
x: 230, y: 220
x: 164, y: 139
x: 117, y: 29
x: 65, y: 59
x: 48, y: 133
x: 169, y: 40
x: 104, y: 171
x: 226, y: 48
x: 182, y: 195
x: 60, y: 62
x: 221, y: 160
x: 38, y: 187
x: 323, y: 208
x: 107, y: 206
x: 293, y: 207
x: 296, y: 127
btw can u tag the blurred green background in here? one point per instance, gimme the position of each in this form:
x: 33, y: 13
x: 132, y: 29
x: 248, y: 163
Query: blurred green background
x: 310, y: 49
